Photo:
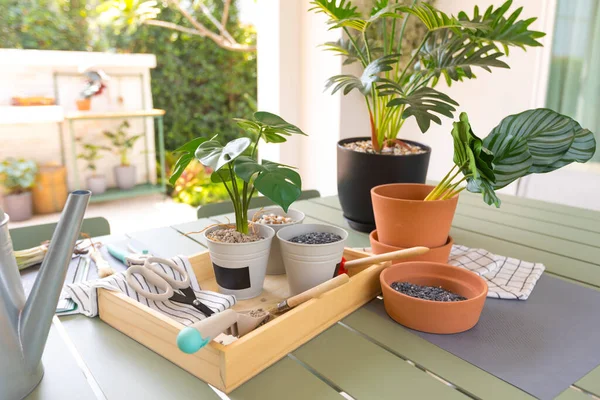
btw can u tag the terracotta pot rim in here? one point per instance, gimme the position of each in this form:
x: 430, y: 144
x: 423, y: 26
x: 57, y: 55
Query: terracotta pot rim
x: 356, y: 139
x: 422, y: 301
x: 375, y: 238
x: 375, y: 194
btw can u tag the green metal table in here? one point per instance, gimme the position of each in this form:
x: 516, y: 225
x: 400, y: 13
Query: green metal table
x: 364, y: 356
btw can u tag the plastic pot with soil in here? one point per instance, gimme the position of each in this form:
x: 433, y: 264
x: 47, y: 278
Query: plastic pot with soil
x: 360, y: 168
x: 311, y: 253
x: 240, y: 260
x: 433, y: 297
x: 275, y: 218
x: 96, y: 184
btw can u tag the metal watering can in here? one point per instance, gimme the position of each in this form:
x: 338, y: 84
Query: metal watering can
x: 25, y: 323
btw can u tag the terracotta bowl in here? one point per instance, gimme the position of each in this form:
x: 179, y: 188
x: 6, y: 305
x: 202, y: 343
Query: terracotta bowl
x: 436, y: 254
x: 434, y: 316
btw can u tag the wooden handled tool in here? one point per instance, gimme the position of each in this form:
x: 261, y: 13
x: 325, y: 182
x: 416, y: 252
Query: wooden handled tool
x: 394, y: 255
x: 103, y: 267
x: 310, y: 294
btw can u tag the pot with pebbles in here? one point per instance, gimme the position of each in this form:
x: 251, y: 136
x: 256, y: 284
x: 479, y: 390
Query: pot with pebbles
x: 240, y: 252
x: 311, y: 253
x: 398, y: 81
x: 276, y: 218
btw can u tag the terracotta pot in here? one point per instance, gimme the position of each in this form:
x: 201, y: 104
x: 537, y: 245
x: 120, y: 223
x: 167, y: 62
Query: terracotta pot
x: 403, y: 219
x: 435, y: 254
x: 355, y: 178
x: 434, y: 316
x: 84, y: 104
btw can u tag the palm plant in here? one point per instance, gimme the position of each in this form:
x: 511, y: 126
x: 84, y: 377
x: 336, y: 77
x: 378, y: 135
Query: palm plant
x: 450, y: 49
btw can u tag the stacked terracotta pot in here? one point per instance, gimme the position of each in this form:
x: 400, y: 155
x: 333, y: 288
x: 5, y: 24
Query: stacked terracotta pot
x: 403, y: 219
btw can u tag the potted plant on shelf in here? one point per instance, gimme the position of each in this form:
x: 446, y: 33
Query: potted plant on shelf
x: 125, y: 173
x: 534, y: 141
x: 240, y: 251
x: 18, y: 178
x: 96, y: 183
x: 94, y: 86
x: 396, y: 88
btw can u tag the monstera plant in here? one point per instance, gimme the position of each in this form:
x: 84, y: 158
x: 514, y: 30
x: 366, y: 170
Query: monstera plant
x: 534, y: 141
x: 237, y: 160
x: 450, y: 49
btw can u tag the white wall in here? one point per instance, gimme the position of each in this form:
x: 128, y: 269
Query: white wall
x: 328, y: 118
x: 35, y: 73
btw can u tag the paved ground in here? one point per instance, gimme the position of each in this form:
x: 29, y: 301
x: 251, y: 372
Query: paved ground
x: 130, y: 215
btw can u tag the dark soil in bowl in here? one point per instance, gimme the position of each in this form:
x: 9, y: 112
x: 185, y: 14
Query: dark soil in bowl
x: 232, y: 236
x: 426, y: 292
x: 316, y: 238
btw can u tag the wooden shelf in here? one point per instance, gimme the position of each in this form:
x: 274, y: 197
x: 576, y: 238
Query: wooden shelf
x: 117, y: 194
x: 10, y: 115
x: 79, y: 115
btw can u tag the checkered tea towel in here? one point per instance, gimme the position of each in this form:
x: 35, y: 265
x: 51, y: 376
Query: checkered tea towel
x: 507, y: 278
x: 85, y: 294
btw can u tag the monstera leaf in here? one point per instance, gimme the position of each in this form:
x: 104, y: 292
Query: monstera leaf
x: 276, y: 181
x: 187, y: 155
x: 370, y: 75
x: 537, y: 141
x: 273, y: 128
x: 212, y: 154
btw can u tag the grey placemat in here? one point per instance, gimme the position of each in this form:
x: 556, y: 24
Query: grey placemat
x: 542, y: 345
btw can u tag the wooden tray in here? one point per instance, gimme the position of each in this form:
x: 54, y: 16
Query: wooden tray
x: 227, y: 367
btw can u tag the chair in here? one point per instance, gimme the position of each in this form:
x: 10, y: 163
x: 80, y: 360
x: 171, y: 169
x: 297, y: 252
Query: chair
x: 225, y: 207
x: 31, y: 236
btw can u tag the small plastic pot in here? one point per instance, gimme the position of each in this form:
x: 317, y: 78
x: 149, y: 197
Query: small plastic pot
x: 435, y: 254
x: 240, y: 267
x: 275, y: 265
x: 96, y: 184
x: 308, y: 265
x: 125, y: 176
x: 19, y: 207
x: 434, y: 316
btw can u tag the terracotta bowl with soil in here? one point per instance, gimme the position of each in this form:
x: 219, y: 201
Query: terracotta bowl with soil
x: 435, y: 254
x: 434, y: 316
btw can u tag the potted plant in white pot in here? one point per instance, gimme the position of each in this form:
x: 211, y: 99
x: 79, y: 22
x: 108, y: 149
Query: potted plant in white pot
x: 534, y: 141
x: 240, y: 251
x: 397, y: 85
x: 96, y: 183
x: 125, y: 173
x: 18, y: 178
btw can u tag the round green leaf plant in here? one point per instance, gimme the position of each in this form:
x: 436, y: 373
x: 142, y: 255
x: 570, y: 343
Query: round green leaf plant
x: 238, y: 159
x: 17, y: 175
x: 532, y: 142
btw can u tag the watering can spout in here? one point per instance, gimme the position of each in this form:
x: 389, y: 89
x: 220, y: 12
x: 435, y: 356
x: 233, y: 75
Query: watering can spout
x: 40, y: 306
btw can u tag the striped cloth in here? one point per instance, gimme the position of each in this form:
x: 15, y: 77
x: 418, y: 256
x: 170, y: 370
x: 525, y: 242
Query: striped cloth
x: 507, y: 278
x: 85, y: 294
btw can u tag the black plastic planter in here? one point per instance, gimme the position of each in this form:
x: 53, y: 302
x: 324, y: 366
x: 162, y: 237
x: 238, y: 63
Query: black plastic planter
x: 358, y: 173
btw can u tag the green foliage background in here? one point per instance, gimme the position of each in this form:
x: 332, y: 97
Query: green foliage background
x: 201, y: 86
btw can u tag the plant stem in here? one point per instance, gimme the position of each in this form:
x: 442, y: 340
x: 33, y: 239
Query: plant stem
x: 403, y: 28
x: 452, y: 188
x: 392, y: 34
x: 442, y: 184
x: 414, y: 57
x: 367, y: 46
x: 241, y: 225
x: 360, y: 55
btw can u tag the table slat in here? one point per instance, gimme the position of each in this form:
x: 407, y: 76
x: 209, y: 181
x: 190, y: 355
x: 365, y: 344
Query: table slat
x: 285, y: 380
x: 63, y: 379
x: 366, y: 371
x: 195, y: 226
x: 591, y: 382
x: 442, y: 363
x: 167, y: 242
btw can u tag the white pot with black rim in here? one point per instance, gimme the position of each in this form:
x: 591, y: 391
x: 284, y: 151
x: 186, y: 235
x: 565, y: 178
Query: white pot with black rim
x: 274, y: 217
x: 240, y: 268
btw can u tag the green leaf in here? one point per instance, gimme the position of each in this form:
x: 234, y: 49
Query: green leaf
x: 486, y: 189
x: 446, y: 53
x: 212, y: 154
x: 370, y: 75
x: 474, y: 160
x: 180, y: 166
x: 502, y: 29
x: 432, y: 18
x: 537, y: 141
x: 191, y: 146
x: 341, y: 13
x: 220, y: 177
x: 424, y: 103
x: 246, y: 167
x: 275, y: 124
